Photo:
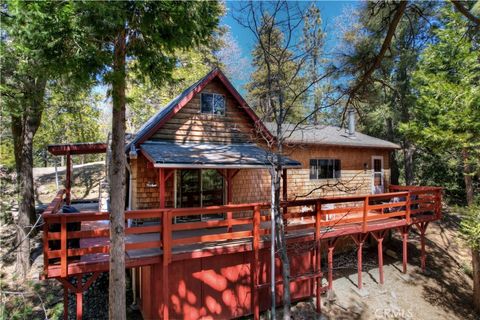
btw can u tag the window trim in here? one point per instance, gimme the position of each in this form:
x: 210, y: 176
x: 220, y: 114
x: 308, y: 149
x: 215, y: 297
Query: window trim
x: 212, y: 113
x: 335, y: 176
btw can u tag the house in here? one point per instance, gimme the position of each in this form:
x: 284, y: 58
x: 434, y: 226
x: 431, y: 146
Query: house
x: 211, y: 146
x: 198, y: 235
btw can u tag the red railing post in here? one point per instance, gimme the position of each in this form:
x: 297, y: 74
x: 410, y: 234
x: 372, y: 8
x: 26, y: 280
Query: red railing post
x: 256, y: 257
x: 166, y: 235
x: 365, y: 213
x: 63, y: 246
x: 408, y: 207
x: 46, y: 247
x: 318, y: 254
x: 438, y: 206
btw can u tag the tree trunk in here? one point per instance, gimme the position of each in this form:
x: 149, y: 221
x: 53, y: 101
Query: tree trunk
x: 408, y: 152
x: 117, y: 302
x: 282, y: 244
x: 476, y: 278
x: 467, y: 177
x: 394, y: 167
x: 24, y: 128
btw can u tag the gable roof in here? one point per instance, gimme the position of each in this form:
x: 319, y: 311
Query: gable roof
x: 174, y: 106
x: 329, y: 135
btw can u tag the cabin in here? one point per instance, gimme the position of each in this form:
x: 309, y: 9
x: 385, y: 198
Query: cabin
x: 197, y: 208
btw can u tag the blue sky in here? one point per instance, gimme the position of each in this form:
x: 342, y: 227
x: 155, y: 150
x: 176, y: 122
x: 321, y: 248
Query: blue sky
x: 330, y: 11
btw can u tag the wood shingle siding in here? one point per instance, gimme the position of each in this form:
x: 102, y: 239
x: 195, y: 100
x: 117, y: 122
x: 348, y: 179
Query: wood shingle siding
x: 190, y: 125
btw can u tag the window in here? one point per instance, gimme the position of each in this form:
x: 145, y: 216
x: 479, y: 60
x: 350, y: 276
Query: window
x: 325, y: 168
x: 213, y: 103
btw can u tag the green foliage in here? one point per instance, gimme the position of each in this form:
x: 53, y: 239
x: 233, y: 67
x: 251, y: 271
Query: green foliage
x: 155, y: 29
x: 284, y: 76
x: 471, y: 225
x: 72, y: 116
x: 446, y: 117
x: 145, y: 98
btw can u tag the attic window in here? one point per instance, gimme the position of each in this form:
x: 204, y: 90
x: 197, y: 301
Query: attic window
x: 213, y: 103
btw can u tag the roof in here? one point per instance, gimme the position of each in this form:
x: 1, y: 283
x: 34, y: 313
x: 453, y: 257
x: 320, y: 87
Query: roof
x: 77, y: 148
x: 329, y: 135
x: 168, y: 111
x: 196, y: 155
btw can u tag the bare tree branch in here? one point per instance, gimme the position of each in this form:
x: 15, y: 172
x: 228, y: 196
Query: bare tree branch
x: 459, y: 6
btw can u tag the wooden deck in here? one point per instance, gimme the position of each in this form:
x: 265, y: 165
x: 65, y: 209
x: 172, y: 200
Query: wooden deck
x: 152, y: 232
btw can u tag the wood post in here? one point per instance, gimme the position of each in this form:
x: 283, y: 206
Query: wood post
x: 330, y: 246
x: 166, y: 261
x: 422, y: 227
x: 365, y: 213
x: 68, y: 179
x: 79, y: 288
x: 318, y: 255
x: 359, y: 241
x: 408, y: 207
x: 229, y: 199
x: 63, y: 247
x: 404, y: 231
x: 79, y: 296
x: 161, y: 187
x: 256, y: 257
x: 379, y: 236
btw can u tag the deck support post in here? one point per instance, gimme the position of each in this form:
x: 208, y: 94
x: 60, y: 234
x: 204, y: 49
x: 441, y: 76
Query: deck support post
x: 379, y: 236
x: 78, y: 289
x: 331, y: 246
x: 422, y: 227
x: 404, y: 230
x: 68, y: 179
x: 65, y: 302
x: 359, y: 241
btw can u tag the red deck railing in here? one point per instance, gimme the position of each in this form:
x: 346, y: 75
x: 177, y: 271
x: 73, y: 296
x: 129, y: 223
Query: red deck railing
x: 155, y: 228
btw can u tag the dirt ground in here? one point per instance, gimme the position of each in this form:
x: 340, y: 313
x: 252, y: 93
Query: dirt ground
x: 443, y: 292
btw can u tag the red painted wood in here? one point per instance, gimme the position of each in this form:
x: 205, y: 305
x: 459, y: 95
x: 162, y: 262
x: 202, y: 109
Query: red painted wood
x: 68, y: 180
x: 77, y: 148
x: 63, y: 247
x: 79, y: 300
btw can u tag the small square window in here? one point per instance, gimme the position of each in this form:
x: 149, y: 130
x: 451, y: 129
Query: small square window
x: 212, y: 103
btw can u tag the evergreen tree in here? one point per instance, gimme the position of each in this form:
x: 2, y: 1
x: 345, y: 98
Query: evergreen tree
x: 38, y: 46
x: 446, y: 117
x: 272, y: 55
x: 147, y: 33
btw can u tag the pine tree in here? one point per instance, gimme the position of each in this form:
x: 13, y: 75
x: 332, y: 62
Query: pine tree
x: 285, y: 71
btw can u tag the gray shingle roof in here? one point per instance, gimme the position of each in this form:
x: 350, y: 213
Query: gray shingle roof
x: 329, y: 135
x: 164, y: 153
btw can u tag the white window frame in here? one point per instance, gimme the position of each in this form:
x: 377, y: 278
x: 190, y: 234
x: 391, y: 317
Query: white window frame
x: 212, y: 112
x: 318, y: 159
x: 373, y: 173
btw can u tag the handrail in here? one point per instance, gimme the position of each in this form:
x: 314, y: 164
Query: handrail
x: 406, y: 204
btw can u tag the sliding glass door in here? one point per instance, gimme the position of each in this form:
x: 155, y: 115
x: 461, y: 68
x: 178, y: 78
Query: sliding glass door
x: 199, y: 188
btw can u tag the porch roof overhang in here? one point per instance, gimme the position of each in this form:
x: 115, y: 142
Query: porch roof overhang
x: 77, y: 148
x: 165, y: 154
